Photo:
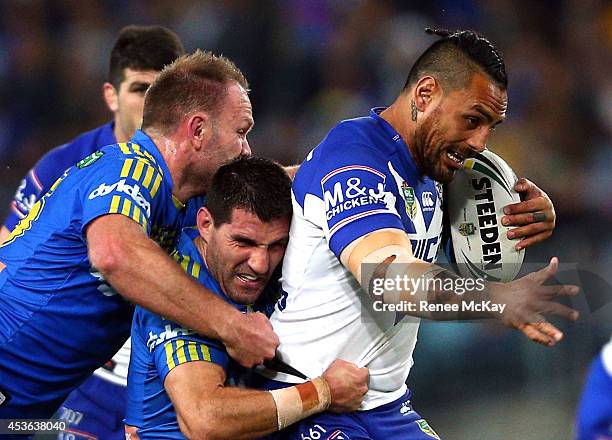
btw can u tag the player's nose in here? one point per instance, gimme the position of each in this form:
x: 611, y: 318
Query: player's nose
x: 259, y: 260
x: 246, y: 149
x: 478, y: 141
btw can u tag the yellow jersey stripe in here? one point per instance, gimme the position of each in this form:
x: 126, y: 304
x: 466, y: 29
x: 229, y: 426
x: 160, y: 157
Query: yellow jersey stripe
x: 114, y: 206
x: 149, y: 155
x: 148, y: 176
x: 142, y: 153
x: 193, y: 351
x: 169, y: 353
x: 124, y: 148
x: 136, y: 214
x: 205, y: 352
x: 127, y: 206
x: 185, y: 263
x: 195, y: 270
x: 127, y: 165
x: 181, y: 354
x: 156, y: 184
x: 138, y: 169
x: 177, y: 203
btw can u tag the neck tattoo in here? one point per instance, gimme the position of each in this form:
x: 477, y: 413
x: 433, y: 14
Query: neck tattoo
x: 413, y: 110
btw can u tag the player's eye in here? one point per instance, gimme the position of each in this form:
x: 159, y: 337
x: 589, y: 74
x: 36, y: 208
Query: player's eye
x: 140, y: 89
x: 472, y: 121
x: 279, y: 245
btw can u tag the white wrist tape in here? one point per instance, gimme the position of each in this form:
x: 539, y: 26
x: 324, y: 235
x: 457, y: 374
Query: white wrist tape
x: 300, y: 401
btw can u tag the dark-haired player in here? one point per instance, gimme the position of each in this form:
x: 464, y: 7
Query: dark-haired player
x: 182, y: 385
x: 382, y: 204
x: 97, y: 408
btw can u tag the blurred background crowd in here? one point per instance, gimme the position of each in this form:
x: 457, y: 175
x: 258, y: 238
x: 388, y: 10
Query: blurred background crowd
x: 311, y: 63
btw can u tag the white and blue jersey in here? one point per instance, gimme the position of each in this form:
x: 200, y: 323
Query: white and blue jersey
x: 361, y: 178
x: 160, y: 345
x: 59, y: 319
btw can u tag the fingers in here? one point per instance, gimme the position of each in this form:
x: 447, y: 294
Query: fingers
x: 550, y: 292
x: 525, y: 219
x: 549, y: 271
x: 529, y: 230
x: 542, y: 332
x: 540, y: 203
x: 530, y: 241
x: 553, y: 308
x: 255, y: 341
x: 526, y: 186
x: 365, y: 374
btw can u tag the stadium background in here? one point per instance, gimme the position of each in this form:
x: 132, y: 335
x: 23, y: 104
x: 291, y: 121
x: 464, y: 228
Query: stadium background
x: 313, y: 62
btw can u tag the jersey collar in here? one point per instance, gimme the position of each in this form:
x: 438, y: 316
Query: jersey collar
x: 107, y: 134
x: 142, y: 139
x: 397, y: 140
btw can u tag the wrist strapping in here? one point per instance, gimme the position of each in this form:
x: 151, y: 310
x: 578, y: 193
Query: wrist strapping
x: 300, y: 401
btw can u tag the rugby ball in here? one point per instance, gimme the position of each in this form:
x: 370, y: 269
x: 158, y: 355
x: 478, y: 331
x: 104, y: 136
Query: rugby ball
x: 475, y: 201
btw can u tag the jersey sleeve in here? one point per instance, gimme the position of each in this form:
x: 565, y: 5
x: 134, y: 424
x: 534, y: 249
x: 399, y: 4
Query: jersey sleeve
x: 126, y: 186
x: 182, y: 349
x: 171, y: 345
x: 356, y: 188
x: 38, y: 180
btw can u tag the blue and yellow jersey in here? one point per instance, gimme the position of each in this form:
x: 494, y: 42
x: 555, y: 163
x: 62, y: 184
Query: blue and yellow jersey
x: 160, y: 345
x: 59, y: 319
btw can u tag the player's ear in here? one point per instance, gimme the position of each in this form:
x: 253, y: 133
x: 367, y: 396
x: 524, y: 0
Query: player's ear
x: 204, y: 222
x: 425, y: 91
x: 199, y: 129
x: 111, y: 97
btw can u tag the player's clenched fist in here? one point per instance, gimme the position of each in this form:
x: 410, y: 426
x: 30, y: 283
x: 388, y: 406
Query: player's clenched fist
x: 250, y: 339
x: 348, y: 385
x: 527, y: 300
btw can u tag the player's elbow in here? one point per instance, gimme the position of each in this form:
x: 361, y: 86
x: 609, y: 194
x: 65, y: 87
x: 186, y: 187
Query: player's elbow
x: 107, y: 255
x: 203, y: 424
x: 199, y: 422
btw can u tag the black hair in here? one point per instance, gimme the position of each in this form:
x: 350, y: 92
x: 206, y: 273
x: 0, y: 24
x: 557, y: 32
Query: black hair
x: 254, y: 184
x: 143, y: 48
x: 455, y: 57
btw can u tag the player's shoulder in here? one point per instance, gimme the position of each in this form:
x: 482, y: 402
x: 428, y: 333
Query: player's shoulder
x: 352, y: 141
x: 126, y: 160
x: 361, y: 134
x: 52, y: 164
x: 154, y: 329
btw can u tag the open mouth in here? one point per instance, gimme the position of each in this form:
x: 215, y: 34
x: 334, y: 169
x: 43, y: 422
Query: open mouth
x: 455, y: 157
x: 247, y: 277
x: 249, y: 280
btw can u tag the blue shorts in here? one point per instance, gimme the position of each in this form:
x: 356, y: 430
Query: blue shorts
x: 394, y: 420
x: 95, y: 410
x: 595, y: 407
